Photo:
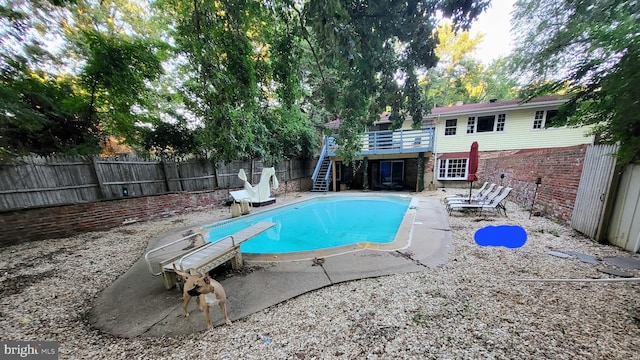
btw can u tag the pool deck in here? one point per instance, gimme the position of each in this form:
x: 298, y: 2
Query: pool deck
x: 137, y: 303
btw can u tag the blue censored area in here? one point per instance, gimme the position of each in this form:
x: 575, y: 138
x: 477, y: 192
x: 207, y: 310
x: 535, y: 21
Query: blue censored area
x: 503, y: 235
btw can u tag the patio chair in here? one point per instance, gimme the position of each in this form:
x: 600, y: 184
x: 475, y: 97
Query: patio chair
x: 497, y: 204
x: 473, y: 195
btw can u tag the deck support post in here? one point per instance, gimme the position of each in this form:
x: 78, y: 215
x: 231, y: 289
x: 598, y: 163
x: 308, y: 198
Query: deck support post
x: 420, y: 182
x: 365, y: 176
x: 333, y: 175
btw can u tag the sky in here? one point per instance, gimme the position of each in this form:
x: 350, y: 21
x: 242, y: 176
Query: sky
x: 495, y: 24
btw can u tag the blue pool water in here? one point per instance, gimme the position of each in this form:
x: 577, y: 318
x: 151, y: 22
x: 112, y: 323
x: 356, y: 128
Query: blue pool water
x: 320, y: 223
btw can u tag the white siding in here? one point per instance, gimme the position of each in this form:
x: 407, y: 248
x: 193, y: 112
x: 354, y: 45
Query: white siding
x: 518, y: 134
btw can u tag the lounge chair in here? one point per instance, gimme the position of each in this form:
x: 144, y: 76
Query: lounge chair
x: 485, y: 198
x: 497, y: 203
x: 482, y: 196
x: 473, y: 195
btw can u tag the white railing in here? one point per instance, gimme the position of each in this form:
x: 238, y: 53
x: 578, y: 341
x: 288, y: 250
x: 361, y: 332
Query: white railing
x: 391, y: 142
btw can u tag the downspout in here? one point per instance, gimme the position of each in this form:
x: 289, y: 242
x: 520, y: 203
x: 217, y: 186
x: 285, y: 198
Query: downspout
x: 435, y: 154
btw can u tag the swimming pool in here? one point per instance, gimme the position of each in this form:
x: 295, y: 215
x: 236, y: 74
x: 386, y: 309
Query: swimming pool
x: 320, y: 223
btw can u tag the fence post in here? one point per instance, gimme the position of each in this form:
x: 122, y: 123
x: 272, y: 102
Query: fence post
x: 215, y: 173
x: 165, y: 172
x: 101, y: 192
x: 251, y: 181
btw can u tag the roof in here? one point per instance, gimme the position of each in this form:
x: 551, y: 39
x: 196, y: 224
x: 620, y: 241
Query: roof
x: 334, y: 124
x: 551, y: 100
x: 454, y: 155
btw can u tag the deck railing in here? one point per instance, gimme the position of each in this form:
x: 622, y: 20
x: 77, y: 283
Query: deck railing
x: 390, y: 142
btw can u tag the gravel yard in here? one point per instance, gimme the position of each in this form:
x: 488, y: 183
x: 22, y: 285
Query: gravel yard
x: 469, y: 308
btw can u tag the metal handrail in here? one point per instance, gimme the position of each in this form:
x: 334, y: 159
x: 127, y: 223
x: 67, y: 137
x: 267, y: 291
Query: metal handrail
x: 233, y: 245
x: 320, y: 159
x: 326, y: 177
x: 146, y: 256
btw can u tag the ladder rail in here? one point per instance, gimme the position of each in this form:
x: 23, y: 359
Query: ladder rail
x: 202, y: 248
x: 147, y: 255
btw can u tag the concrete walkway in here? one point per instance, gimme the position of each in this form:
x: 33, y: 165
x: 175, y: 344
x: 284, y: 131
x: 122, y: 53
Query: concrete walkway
x: 137, y: 304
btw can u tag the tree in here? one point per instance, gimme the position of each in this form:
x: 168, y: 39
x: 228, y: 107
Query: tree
x: 40, y: 113
x: 369, y: 54
x: 116, y: 75
x: 591, y: 49
x: 254, y: 77
x: 44, y: 116
x: 460, y: 77
x: 218, y: 41
x: 50, y: 107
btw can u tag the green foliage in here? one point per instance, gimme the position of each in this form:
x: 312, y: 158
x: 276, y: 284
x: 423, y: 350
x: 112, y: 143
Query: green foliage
x: 592, y: 50
x: 460, y: 77
x: 44, y: 116
x: 247, y: 78
x: 222, y: 90
x: 369, y: 54
x: 168, y: 140
x: 115, y: 76
x: 46, y: 110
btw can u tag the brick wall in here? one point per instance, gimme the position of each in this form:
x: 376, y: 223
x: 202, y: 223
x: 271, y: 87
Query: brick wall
x: 65, y: 220
x: 558, y: 168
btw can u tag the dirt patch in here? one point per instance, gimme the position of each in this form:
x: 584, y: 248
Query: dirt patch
x: 14, y: 285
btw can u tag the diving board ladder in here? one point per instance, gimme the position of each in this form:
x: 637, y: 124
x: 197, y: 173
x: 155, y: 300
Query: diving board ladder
x: 204, y: 258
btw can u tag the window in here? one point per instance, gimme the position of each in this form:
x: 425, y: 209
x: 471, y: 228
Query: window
x: 538, y: 119
x: 452, y: 169
x: 550, y: 115
x: 450, y: 126
x: 486, y: 123
x: 502, y: 118
x: 542, y: 118
x: 471, y: 124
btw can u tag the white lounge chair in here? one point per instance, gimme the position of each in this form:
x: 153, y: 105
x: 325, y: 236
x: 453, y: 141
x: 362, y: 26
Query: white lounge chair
x: 485, y: 199
x: 497, y: 203
x: 492, y: 190
x: 473, y: 194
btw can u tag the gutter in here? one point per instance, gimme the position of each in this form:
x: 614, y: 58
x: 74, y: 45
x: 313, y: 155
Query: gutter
x: 492, y: 110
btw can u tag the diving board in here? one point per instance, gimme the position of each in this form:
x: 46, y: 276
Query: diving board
x: 207, y: 257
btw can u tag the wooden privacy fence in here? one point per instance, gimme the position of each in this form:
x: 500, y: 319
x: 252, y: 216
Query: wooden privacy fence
x: 594, y: 191
x: 45, y: 181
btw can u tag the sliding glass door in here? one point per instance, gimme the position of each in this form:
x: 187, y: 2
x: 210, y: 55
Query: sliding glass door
x: 392, y: 172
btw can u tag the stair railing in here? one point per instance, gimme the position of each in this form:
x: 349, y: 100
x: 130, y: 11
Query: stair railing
x: 326, y: 177
x: 323, y: 154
